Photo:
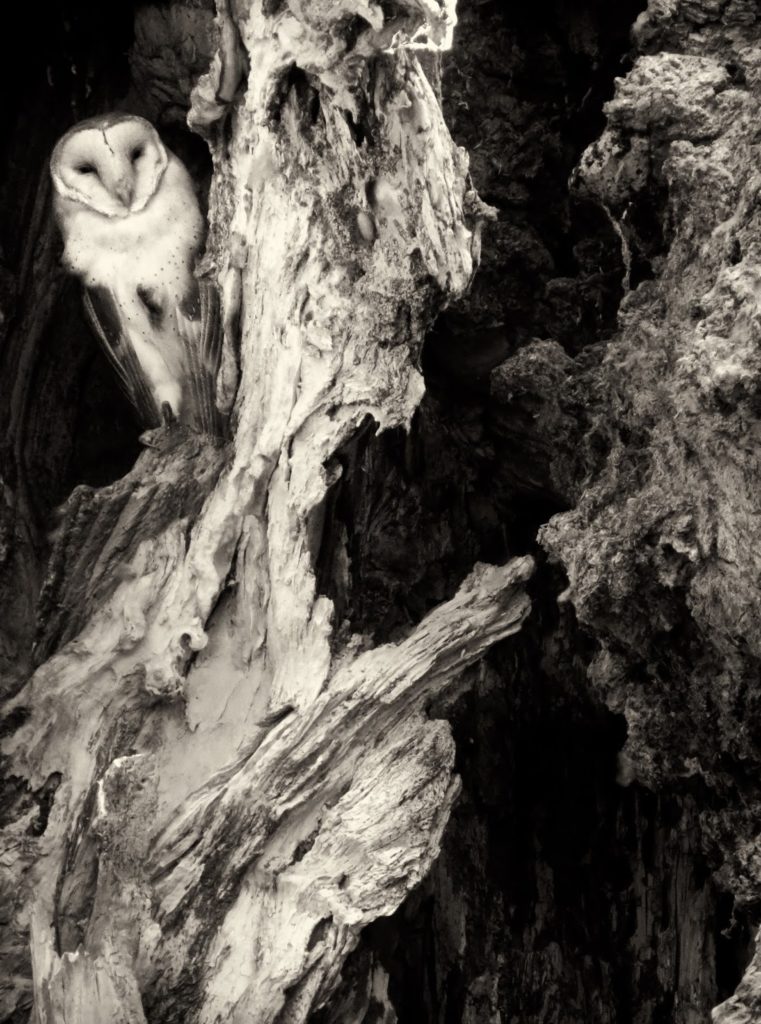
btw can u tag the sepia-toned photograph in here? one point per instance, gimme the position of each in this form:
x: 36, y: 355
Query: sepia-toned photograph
x: 380, y: 512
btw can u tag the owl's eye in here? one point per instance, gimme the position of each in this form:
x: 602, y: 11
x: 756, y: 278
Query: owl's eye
x: 86, y: 169
x: 136, y: 153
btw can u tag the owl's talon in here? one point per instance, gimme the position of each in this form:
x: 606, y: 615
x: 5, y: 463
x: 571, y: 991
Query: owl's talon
x: 148, y: 438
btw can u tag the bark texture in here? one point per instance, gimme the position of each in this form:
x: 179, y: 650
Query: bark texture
x: 265, y: 755
x: 236, y: 784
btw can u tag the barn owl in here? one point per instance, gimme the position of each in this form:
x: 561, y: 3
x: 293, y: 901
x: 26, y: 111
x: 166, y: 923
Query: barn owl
x: 131, y: 228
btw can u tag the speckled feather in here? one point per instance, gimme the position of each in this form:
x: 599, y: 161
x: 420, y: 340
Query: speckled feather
x: 132, y: 226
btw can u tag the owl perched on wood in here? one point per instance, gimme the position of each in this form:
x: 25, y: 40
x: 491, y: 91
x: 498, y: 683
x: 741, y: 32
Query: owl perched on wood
x: 131, y: 227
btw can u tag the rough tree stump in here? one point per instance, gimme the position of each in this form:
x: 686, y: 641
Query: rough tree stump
x: 265, y: 756
x: 237, y: 783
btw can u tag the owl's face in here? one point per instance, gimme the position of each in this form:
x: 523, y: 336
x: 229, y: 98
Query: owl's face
x: 110, y: 164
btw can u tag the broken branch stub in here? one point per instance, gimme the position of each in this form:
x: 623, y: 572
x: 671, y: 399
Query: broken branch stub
x: 208, y: 854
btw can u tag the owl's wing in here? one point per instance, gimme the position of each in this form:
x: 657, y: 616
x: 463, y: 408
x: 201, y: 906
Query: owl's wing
x: 200, y: 331
x: 103, y: 313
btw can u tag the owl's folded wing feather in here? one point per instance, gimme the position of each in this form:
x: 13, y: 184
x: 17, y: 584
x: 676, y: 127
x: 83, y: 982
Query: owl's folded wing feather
x: 103, y: 312
x: 199, y: 327
x: 196, y: 322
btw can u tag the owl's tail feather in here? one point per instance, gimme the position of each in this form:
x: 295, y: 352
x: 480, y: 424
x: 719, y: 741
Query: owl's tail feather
x: 199, y: 327
x: 103, y: 314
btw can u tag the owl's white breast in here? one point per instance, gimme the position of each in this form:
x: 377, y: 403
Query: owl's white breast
x: 153, y: 247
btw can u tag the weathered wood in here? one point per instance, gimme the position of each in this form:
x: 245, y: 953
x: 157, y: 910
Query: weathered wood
x: 227, y: 782
x: 234, y: 793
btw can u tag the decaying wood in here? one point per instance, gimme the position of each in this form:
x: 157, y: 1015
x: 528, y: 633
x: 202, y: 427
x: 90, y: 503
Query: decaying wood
x: 269, y: 868
x: 228, y: 785
x: 223, y: 793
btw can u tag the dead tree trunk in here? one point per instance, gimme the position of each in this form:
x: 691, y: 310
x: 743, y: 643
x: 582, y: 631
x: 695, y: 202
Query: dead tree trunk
x: 265, y: 757
x: 238, y: 782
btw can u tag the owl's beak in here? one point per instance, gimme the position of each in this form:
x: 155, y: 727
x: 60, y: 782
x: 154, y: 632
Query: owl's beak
x: 124, y: 192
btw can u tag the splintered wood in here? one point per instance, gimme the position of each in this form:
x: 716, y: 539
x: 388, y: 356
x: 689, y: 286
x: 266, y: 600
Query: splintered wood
x: 238, y: 787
